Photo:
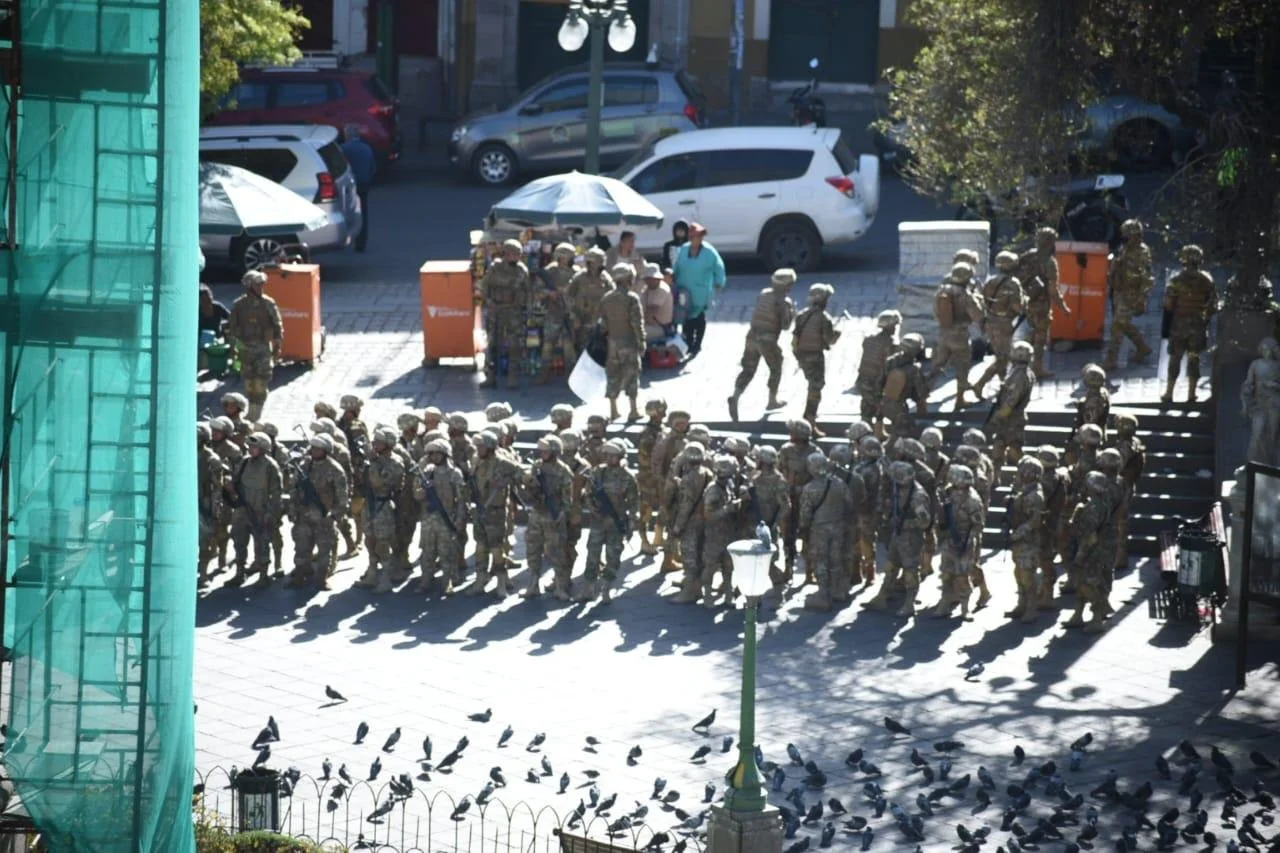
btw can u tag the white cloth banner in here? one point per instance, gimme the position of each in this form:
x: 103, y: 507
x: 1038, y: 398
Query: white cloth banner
x: 588, y: 379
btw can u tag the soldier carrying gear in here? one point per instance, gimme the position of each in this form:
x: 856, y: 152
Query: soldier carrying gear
x: 823, y: 516
x: 1038, y: 272
x: 255, y: 330
x: 1091, y: 528
x: 506, y: 293
x: 769, y: 499
x: 586, y: 289
x: 212, y: 475
x: 431, y: 419
x: 1131, y: 281
x: 490, y: 483
x: 496, y: 412
x: 1110, y: 462
x: 876, y: 351
x: 867, y: 511
x: 664, y: 455
x: 815, y: 333
x: 689, y: 524
x: 966, y: 256
x: 904, y: 382
x: 561, y: 417
x: 622, y: 317
x: 1055, y: 485
x: 773, y: 315
x: 793, y: 466
x: 1133, y: 458
x: 1008, y: 422
x: 649, y: 484
x: 595, y: 438
x: 548, y: 493
x: 960, y: 536
x: 909, y: 515
x: 553, y: 301
x: 613, y: 501
x: 324, y: 410
x: 721, y: 506
x: 1093, y: 408
x: 320, y: 497
x: 1190, y: 300
x: 1025, y: 526
x: 234, y: 405
x: 381, y: 481
x: 221, y: 432
x: 441, y: 494
x: 464, y: 451
x: 955, y: 308
x: 1004, y: 302
x: 357, y: 435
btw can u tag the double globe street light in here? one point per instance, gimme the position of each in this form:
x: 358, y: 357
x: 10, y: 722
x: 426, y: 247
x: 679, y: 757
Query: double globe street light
x: 589, y: 19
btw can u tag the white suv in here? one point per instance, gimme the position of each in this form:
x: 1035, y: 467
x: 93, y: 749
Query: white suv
x: 780, y: 193
x: 305, y: 158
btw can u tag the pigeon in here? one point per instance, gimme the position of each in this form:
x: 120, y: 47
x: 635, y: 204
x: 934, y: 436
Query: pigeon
x: 694, y: 821
x: 1260, y: 760
x: 828, y: 834
x: 426, y: 748
x: 1221, y: 761
x: 327, y: 767
x: 658, y: 785
x: 700, y: 754
x: 1162, y: 767
x: 896, y: 727
x: 926, y: 774
x: 392, y: 740
x: 855, y: 823
x: 463, y: 743
x: 835, y: 806
x: 344, y: 775
x: 537, y: 741
x: 670, y: 797
x: 814, y: 814
x: 264, y: 755
x: 591, y: 774
x: 985, y: 777
x: 640, y: 812
x: 532, y: 777
x: 922, y: 803
x: 1107, y: 788
x: 708, y: 792
x: 703, y: 725
x: 498, y: 779
x: 448, y: 761
x: 1082, y: 743
x: 1188, y: 750
x: 333, y: 694
x: 606, y: 804
x: 505, y: 736
x: 485, y: 793
x: 868, y: 835
x: 1188, y: 780
x: 960, y: 784
x: 361, y: 731
x: 1076, y: 759
x: 817, y: 779
x: 790, y: 823
x: 853, y: 758
x: 799, y: 847
x: 264, y: 737
x: 546, y: 767
x: 984, y: 800
x: 481, y: 716
x: 460, y: 809
x: 331, y: 806
x: 593, y: 795
x: 375, y: 768
x: 727, y: 743
x: 944, y: 768
x: 592, y: 743
x: 634, y: 753
x: 1196, y: 797
x: 948, y: 745
x: 868, y: 769
x: 376, y: 815
x: 974, y: 670
x: 564, y: 783
x: 779, y: 779
x: 794, y: 754
x: 879, y: 806
x: 917, y: 759
x: 658, y: 839
x: 1019, y: 755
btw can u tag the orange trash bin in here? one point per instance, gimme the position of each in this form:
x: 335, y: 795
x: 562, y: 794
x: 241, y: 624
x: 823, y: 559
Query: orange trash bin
x: 296, y: 290
x: 451, y: 325
x: 1082, y: 280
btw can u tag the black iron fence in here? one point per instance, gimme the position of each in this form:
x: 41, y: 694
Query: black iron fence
x: 385, y: 817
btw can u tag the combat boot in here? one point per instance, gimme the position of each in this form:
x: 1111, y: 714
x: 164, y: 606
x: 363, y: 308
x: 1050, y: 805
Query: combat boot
x: 613, y: 408
x: 820, y: 601
x: 634, y: 413
x: 1167, y: 396
x: 482, y: 580
x: 369, y: 578
x: 733, y: 407
x: 980, y: 583
x: 908, y: 608
x: 1142, y: 355
x: 605, y: 596
x: 238, y: 578
x: 690, y: 590
x: 534, y: 589
x: 811, y: 415
x: 384, y: 583
x: 881, y: 600
x: 947, y: 602
x: 587, y: 593
x: 264, y: 576
x: 774, y: 402
x: 1020, y: 609
x: 503, y: 586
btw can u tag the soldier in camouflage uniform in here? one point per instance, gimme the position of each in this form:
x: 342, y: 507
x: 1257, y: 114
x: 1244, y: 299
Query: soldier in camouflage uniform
x: 410, y: 446
x: 557, y: 334
x: 913, y: 451
x: 814, y: 334
x: 623, y: 321
x: 490, y: 485
x: 721, y: 509
x: 984, y: 466
x: 1038, y: 272
x: 212, y: 475
x: 770, y: 499
x: 869, y: 468
x: 1133, y: 456
x: 586, y: 289
x: 959, y: 536
x: 650, y: 484
x: 281, y: 456
x: 841, y: 467
x: 1131, y: 281
x: 432, y: 418
x: 548, y: 493
x: 1110, y: 462
x: 221, y: 430
x: 594, y: 440
x: 234, y: 405
x: 793, y: 466
x: 1026, y: 527
x: 909, y: 518
x: 876, y: 351
x: 341, y: 455
x: 383, y: 478
x: 955, y: 309
x: 440, y: 494
x: 561, y: 416
x: 571, y: 456
x: 613, y: 499
x: 937, y: 461
x: 773, y: 315
x: 973, y: 459
x: 255, y: 330
x: 357, y: 441
x: 1004, y: 302
x: 1088, y: 438
x: 1093, y: 408
x: 1008, y: 424
x: 320, y: 497
x: 689, y: 524
x: 824, y: 510
x: 1055, y: 485
x: 506, y: 292
x: 1090, y: 527
x: 664, y: 464
x: 1191, y: 300
x: 904, y: 382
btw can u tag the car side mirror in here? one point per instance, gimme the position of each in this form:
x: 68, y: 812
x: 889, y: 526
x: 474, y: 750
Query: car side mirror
x: 531, y: 110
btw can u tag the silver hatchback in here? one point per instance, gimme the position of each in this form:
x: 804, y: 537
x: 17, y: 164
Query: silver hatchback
x: 546, y: 128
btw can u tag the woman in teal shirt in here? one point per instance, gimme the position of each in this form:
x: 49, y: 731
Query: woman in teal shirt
x: 699, y: 271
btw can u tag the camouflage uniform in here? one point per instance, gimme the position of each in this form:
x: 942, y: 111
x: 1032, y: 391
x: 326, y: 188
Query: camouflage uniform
x: 1008, y: 425
x: 586, y: 289
x: 955, y: 308
x: 1055, y: 485
x: 937, y: 462
x: 612, y: 520
x: 410, y: 446
x: 824, y: 508
x: 665, y: 452
x: 869, y: 470
x: 689, y: 524
x: 773, y: 315
x: 814, y: 334
x: 506, y: 291
x: 579, y: 511
x: 959, y: 536
x: 341, y: 455
x: 256, y: 484
x: 1004, y: 302
x: 721, y: 508
x: 649, y: 483
x: 383, y: 478
x: 1025, y: 525
x: 909, y: 516
x: 1131, y: 282
x: 320, y: 496
x: 221, y: 430
x: 1088, y: 437
x: 1093, y: 408
x: 793, y: 466
x: 255, y: 329
x: 211, y: 474
x: 770, y: 499
x: 357, y: 444
x: 1192, y: 300
x: 1038, y: 271
x: 440, y: 493
x: 623, y: 321
x: 548, y: 493
x: 876, y: 351
x: 490, y: 483
x: 1133, y: 459
x: 904, y: 382
x: 1090, y: 526
x: 557, y: 334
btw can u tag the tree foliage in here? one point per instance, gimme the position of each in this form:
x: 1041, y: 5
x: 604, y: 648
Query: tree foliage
x: 238, y: 32
x: 996, y: 98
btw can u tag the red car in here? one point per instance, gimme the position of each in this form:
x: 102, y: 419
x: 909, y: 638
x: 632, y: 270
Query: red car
x: 316, y: 96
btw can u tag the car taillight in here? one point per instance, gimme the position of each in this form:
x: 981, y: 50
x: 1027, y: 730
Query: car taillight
x: 328, y: 189
x: 692, y: 113
x: 843, y: 183
x: 382, y: 110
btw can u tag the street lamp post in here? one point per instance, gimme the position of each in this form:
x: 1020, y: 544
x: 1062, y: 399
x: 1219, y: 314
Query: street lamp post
x: 591, y: 20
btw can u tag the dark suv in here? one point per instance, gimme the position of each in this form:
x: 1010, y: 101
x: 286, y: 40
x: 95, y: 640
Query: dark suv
x: 298, y: 95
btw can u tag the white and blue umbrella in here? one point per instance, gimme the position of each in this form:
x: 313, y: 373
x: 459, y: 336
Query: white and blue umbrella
x: 574, y: 200
x: 235, y: 201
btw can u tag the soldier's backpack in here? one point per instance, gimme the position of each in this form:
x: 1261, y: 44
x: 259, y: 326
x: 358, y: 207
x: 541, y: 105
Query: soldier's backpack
x: 944, y: 307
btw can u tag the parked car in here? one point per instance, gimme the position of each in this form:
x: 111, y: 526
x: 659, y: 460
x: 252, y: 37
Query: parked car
x: 306, y: 159
x: 546, y: 128
x: 301, y: 95
x: 779, y: 193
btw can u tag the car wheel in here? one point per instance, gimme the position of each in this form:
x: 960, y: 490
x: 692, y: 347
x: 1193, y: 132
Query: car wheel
x: 256, y: 252
x: 791, y: 244
x: 1140, y: 145
x: 494, y: 165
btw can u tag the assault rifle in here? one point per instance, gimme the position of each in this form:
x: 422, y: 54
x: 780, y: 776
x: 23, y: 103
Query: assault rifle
x: 435, y: 505
x: 547, y: 498
x: 309, y: 494
x: 602, y: 498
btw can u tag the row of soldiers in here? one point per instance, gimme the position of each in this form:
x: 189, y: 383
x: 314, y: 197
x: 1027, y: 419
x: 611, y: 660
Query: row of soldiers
x: 897, y: 504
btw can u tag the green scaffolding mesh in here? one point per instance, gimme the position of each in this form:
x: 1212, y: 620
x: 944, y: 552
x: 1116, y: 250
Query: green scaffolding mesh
x: 98, y: 333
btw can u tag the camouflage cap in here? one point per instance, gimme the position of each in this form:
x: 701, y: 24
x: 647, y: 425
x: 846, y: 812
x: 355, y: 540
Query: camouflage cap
x: 571, y: 439
x: 1093, y: 375
x: 888, y: 319
x: 407, y: 420
x: 597, y: 421
x: 432, y: 412
x: 324, y: 426
x: 961, y: 272
x: 623, y: 271
x: 614, y: 447
x: 595, y: 253
x: 819, y: 290
x: 968, y: 454
x: 235, y: 398
x: 1191, y: 254
x: 243, y: 427
x: 655, y: 405
x: 800, y: 428
x: 869, y: 447
x: 1096, y: 482
x: 974, y: 437
x: 678, y: 415
x: 1029, y: 466
x: 1131, y: 228
x: 561, y: 412
x: 857, y: 430
x: 816, y: 463
x: 735, y: 444
x: 434, y: 434
x: 566, y: 250
x: 1044, y: 234
x: 510, y: 427
x: 902, y: 472
x: 484, y: 438
x: 765, y: 454
x: 223, y: 425
x: 260, y: 440
x: 966, y: 256
x: 842, y: 454
x: 324, y: 410
x: 458, y: 421
x: 911, y: 448
x: 1048, y: 454
x: 437, y: 445
x: 1127, y: 424
x: 384, y: 434
x: 913, y: 341
x: 204, y: 433
x: 725, y: 466
x: 1110, y: 459
x: 350, y: 402
x: 694, y: 451
x: 269, y: 428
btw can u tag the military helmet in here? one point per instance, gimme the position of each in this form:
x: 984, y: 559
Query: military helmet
x: 1110, y: 460
x: 819, y: 290
x: 725, y: 466
x: 322, y: 441
x: 1030, y: 467
x: 510, y: 427
x: 1191, y: 254
x: 974, y: 437
x: 700, y: 433
x: 595, y: 253
x: 432, y: 412
x: 1049, y: 455
x: 902, y: 472
x: 1131, y: 228
x: 655, y: 405
x: 552, y: 444
x: 1006, y: 261
x: 910, y: 448
x: 623, y: 271
x: 783, y: 277
x: 694, y: 451
x: 513, y: 245
x: 1045, y: 233
x: 913, y: 341
x: 614, y: 448
x: 678, y: 415
x: 407, y: 420
x: 495, y: 412
x: 869, y: 447
x: 931, y: 438
x: 961, y: 272
x: 1089, y: 435
x: 816, y: 463
x: 458, y: 421
x: 960, y: 475
x: 966, y: 256
x: 243, y: 428
x: 1126, y: 424
x: 766, y: 454
x: 565, y: 250
x: 235, y: 398
x: 967, y: 454
x: 800, y: 428
x: 842, y: 455
x: 270, y: 429
x: 438, y: 445
x: 204, y: 434
x: 350, y: 402
x: 651, y: 271
x: 561, y: 413
x: 888, y: 319
x: 597, y: 421
x: 254, y: 278
x: 485, y: 438
x: 857, y: 430
x: 1096, y: 482
x: 571, y: 439
x: 260, y: 440
x: 324, y: 426
x: 223, y: 425
x: 1021, y: 352
x: 1093, y: 375
x: 432, y: 435
x: 384, y: 434
x: 324, y: 410
x: 734, y: 444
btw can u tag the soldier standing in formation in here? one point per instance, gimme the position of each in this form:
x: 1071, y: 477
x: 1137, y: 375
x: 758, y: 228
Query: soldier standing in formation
x: 1091, y: 528
x: 221, y: 431
x: 872, y: 367
x: 623, y: 322
x: 491, y: 480
x: 256, y: 331
x: 557, y: 336
x: 320, y: 497
x: 869, y: 469
x: 1026, y: 527
x: 548, y: 493
x: 383, y: 479
x: 689, y: 524
x: 586, y: 289
x: 1055, y: 485
x: 1093, y: 408
x: 721, y: 509
x: 814, y: 334
x: 824, y: 510
x: 793, y: 466
x: 1131, y: 281
x: 440, y: 493
x: 955, y: 308
x: 904, y: 383
x: 1133, y: 459
x: 648, y: 482
x: 255, y: 489
x: 665, y: 453
x: 1039, y: 276
x: 959, y: 538
x: 613, y: 501
x: 770, y: 501
x: 1191, y: 300
x: 505, y: 292
x: 1004, y: 303
x: 211, y: 473
x: 1008, y: 424
x: 773, y: 315
x: 910, y: 515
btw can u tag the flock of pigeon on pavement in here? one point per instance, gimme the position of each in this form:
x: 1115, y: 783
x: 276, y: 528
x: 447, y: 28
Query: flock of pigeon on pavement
x: 903, y: 797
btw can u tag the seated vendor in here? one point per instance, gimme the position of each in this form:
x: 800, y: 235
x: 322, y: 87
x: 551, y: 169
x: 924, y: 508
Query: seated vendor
x: 659, y: 310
